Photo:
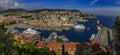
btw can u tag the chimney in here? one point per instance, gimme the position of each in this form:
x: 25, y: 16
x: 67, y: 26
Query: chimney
x: 63, y: 53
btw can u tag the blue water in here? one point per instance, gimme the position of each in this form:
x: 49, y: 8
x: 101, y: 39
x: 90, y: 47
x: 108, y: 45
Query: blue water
x: 107, y: 21
x: 76, y: 35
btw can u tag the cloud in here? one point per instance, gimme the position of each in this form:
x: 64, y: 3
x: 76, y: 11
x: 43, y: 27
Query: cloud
x: 107, y: 11
x: 10, y: 4
x: 3, y: 3
x: 17, y: 5
x: 93, y: 2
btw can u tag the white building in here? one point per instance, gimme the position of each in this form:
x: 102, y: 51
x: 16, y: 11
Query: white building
x: 64, y: 18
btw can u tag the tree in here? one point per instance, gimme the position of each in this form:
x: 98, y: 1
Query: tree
x: 12, y: 47
x: 52, y: 53
x: 6, y: 43
x: 59, y: 40
x: 117, y: 38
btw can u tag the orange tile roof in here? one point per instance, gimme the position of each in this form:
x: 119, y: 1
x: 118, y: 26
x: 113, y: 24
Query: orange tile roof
x: 70, y: 46
x: 40, y: 43
x: 30, y: 40
x: 55, y: 46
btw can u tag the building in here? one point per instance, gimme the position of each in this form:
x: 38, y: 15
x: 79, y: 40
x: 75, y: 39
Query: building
x: 23, y: 40
x: 64, y: 18
x: 70, y: 48
x: 40, y: 44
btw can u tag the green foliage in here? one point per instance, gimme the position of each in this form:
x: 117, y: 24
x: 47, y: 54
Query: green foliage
x: 8, y: 46
x: 117, y: 27
x: 29, y: 49
x: 12, y: 23
x: 25, y: 17
x: 59, y: 40
x: 103, y: 53
x: 50, y: 10
x: 14, y: 10
x: 57, y: 53
x: 52, y: 53
x: 6, y: 43
x: 117, y: 23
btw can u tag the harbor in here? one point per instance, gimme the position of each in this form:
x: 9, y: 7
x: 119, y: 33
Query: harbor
x: 60, y: 27
x: 80, y: 34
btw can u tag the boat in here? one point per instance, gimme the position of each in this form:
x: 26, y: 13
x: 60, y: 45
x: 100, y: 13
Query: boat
x: 84, y: 20
x: 80, y: 26
x: 52, y: 35
x: 88, y: 28
x: 92, y: 37
x: 30, y: 31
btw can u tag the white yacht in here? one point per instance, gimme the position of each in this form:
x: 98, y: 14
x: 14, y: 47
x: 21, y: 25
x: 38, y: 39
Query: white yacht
x: 30, y: 31
x: 80, y: 26
x: 84, y: 20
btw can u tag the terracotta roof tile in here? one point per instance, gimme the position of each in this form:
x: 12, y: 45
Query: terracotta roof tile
x: 30, y: 40
x: 55, y: 46
x: 40, y: 43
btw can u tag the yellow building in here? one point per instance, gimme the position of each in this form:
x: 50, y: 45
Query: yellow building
x: 17, y: 36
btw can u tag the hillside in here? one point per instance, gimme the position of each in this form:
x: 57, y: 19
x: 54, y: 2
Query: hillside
x: 61, y: 12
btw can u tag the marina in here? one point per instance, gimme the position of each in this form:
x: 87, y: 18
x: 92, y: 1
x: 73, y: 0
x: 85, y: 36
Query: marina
x: 73, y: 34
x: 60, y: 27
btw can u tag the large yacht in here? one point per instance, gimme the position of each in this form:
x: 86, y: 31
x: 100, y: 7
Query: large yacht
x: 30, y: 31
x: 80, y: 26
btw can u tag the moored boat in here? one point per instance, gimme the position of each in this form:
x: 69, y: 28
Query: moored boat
x: 80, y: 26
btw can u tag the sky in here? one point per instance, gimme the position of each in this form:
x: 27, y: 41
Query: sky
x: 100, y: 7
